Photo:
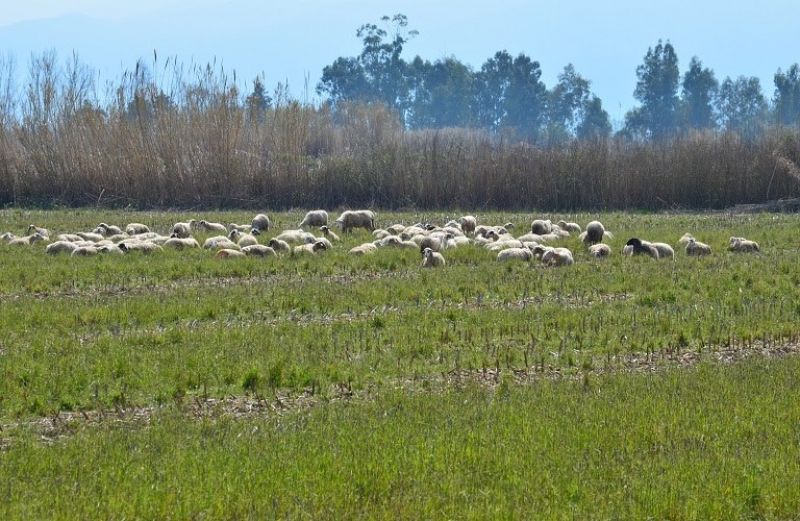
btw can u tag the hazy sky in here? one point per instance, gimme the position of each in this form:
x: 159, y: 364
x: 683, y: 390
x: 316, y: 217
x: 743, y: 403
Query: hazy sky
x: 294, y: 40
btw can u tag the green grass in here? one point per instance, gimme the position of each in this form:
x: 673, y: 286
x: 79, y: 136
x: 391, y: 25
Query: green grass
x: 89, y: 334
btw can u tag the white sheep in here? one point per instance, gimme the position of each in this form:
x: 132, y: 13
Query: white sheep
x: 242, y: 239
x: 212, y: 227
x: 84, y: 251
x: 180, y: 243
x: 599, y: 250
x: 136, y: 229
x: 570, y: 227
x: 329, y: 234
x: 557, y: 257
x: 279, y: 245
x: 44, y: 232
x: 261, y: 223
x: 227, y: 253
x: 665, y: 251
x: 595, y: 233
x: 219, y: 242
x: 315, y: 218
x: 350, y: 219
x: 141, y: 246
x: 523, y: 254
x: 244, y: 228
x: 28, y: 240
x: 91, y: 236
x: 742, y: 245
x: 695, y: 248
x: 367, y: 248
x: 541, y: 227
x: 396, y: 229
x: 432, y: 259
x: 258, y: 250
x: 685, y: 238
x: 182, y: 230
x: 300, y: 236
x: 60, y: 247
x: 108, y: 229
x: 7, y: 237
x: 468, y: 224
x: 311, y: 248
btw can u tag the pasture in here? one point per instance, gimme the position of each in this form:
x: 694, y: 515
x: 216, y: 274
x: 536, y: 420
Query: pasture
x: 181, y: 385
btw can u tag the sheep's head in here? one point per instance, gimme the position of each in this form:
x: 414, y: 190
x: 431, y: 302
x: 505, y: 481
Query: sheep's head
x: 636, y: 243
x: 508, y: 226
x: 319, y: 245
x: 173, y: 235
x: 255, y: 231
x: 234, y: 234
x: 427, y: 252
x: 124, y: 247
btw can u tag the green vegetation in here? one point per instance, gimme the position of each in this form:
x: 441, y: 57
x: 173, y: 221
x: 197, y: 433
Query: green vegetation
x: 427, y: 433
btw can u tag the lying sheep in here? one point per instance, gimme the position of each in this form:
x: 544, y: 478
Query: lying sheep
x: 220, y: 242
x: 599, y: 250
x: 311, y: 248
x: 60, y: 247
x: 541, y: 227
x: 71, y: 237
x: 557, y: 257
x: 315, y: 218
x: 569, y: 227
x: 212, y: 227
x: 242, y: 239
x: 244, y: 228
x: 396, y: 229
x: 697, y: 249
x: 142, y: 246
x: 108, y: 229
x: 509, y: 254
x: 182, y: 230
x: 261, y: 223
x: 742, y: 245
x: 364, y: 249
x: 594, y: 234
x: 84, y: 251
x: 90, y: 236
x: 28, y: 240
x: 636, y: 246
x: 180, y: 243
x: 300, y: 236
x: 44, y: 232
x: 7, y: 237
x: 226, y: 253
x: 279, y: 245
x: 329, y: 234
x: 432, y: 259
x: 258, y: 250
x: 350, y: 219
x: 136, y: 229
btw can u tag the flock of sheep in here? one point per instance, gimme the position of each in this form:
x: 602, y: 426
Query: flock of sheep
x: 235, y: 240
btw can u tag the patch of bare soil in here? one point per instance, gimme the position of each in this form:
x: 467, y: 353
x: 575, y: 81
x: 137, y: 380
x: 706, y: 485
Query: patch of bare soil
x: 64, y: 424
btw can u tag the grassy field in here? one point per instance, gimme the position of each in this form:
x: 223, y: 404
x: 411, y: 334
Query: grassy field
x: 178, y: 385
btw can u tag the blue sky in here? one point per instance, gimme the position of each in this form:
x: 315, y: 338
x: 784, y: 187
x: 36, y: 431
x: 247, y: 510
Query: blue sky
x: 294, y: 40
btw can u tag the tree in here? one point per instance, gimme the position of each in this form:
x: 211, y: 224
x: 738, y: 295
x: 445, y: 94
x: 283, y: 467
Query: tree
x: 657, y: 91
x: 492, y: 82
x: 442, y: 93
x: 787, y: 96
x: 742, y: 106
x: 697, y: 99
x: 258, y: 101
x: 595, y: 122
x: 566, y: 100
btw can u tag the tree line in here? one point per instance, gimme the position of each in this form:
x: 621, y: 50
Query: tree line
x: 507, y: 93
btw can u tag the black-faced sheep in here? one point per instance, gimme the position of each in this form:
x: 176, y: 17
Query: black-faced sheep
x: 636, y: 246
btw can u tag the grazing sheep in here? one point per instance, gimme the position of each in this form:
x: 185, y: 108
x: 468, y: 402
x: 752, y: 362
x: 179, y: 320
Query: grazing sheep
x: 523, y: 254
x: 261, y: 223
x: 315, y: 218
x: 226, y: 253
x: 219, y: 242
x: 242, y: 239
x: 594, y: 234
x: 570, y: 227
x: 60, y: 247
x: 635, y: 246
x: 258, y: 250
x: 329, y: 234
x: 468, y: 224
x: 212, y: 227
x: 279, y: 245
x: 44, y: 232
x: 142, y: 246
x: 557, y: 257
x: 434, y: 243
x: 180, y: 243
x: 311, y: 248
x: 541, y: 227
x: 696, y: 249
x: 599, y: 250
x: 364, y: 249
x: 685, y: 238
x: 28, y: 240
x: 356, y: 219
x: 182, y: 230
x: 432, y: 259
x: 136, y: 229
x: 296, y: 236
x: 742, y: 245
